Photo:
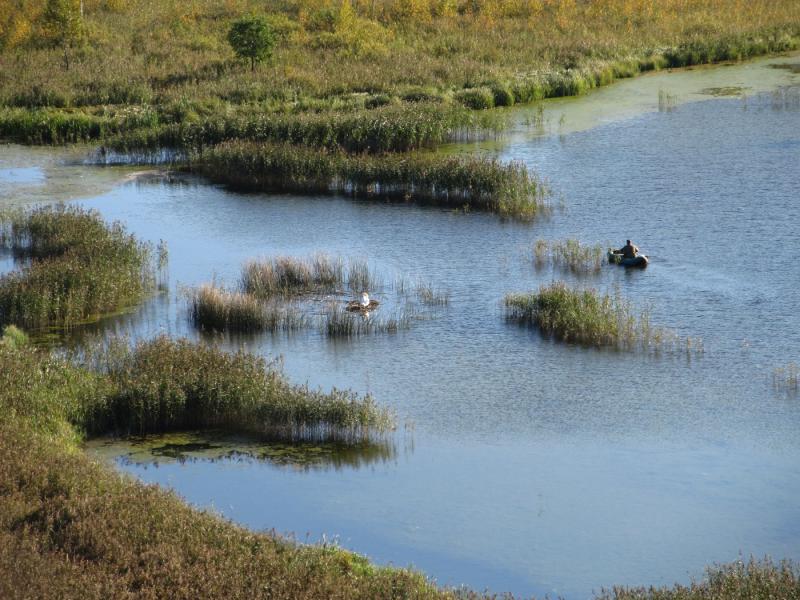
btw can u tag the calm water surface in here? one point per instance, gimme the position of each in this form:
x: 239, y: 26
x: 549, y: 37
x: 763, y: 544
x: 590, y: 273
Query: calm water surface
x: 520, y: 464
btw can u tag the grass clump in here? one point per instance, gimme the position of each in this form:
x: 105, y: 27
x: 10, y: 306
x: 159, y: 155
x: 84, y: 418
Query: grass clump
x: 212, y: 307
x: 14, y: 337
x: 431, y: 295
x: 569, y: 254
x: 586, y: 317
x: 450, y: 181
x: 339, y: 322
x: 286, y: 275
x: 736, y: 581
x: 77, y: 267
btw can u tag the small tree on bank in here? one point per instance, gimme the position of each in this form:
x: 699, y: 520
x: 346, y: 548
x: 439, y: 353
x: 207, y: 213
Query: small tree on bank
x: 63, y: 25
x: 252, y: 38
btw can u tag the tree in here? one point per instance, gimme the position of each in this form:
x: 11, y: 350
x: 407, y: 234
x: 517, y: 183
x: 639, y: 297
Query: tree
x: 253, y: 38
x: 63, y: 25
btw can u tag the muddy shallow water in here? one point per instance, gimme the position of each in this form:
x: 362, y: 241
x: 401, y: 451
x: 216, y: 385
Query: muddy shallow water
x: 521, y: 464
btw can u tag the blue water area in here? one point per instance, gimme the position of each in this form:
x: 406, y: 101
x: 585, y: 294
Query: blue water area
x: 523, y: 464
x: 21, y: 175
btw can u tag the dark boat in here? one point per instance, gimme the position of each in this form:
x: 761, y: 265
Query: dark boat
x: 616, y: 258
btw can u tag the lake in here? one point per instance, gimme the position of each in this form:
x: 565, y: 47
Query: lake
x: 521, y: 464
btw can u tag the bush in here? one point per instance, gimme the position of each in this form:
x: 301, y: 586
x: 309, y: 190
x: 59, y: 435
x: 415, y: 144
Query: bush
x: 476, y: 98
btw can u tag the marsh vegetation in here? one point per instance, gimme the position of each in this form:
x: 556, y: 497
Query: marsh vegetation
x: 590, y: 318
x: 74, y: 267
x: 451, y: 181
x: 344, y: 79
x: 71, y: 527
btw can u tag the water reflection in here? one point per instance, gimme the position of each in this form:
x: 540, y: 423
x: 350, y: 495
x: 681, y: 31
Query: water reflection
x: 183, y: 447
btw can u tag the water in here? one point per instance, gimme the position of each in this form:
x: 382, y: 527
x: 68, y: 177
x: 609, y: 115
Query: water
x: 521, y: 464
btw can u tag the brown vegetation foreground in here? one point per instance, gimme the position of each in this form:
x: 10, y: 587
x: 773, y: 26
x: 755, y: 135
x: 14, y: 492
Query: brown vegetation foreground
x: 72, y: 528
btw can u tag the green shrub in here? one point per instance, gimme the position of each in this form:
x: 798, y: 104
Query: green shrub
x: 476, y: 98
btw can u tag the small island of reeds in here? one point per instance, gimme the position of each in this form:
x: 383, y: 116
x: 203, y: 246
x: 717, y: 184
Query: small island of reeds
x: 74, y: 267
x: 286, y: 293
x: 470, y: 182
x: 591, y: 318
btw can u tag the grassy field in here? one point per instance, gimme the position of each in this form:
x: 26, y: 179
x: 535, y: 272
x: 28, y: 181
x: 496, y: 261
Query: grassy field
x: 362, y: 53
x: 347, y: 76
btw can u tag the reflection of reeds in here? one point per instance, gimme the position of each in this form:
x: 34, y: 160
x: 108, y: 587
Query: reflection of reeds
x: 587, y: 317
x: 213, y: 307
x: 214, y: 446
x: 787, y: 378
x: 338, y: 322
x: 569, y: 254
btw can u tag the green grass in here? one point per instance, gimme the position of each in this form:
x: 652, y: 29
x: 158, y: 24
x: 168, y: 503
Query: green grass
x: 587, y: 317
x: 450, y: 181
x: 77, y: 268
x: 569, y: 254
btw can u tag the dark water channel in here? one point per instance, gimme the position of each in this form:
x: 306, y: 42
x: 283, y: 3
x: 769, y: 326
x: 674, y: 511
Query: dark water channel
x: 521, y: 464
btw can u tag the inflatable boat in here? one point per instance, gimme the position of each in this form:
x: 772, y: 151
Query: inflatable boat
x: 617, y: 259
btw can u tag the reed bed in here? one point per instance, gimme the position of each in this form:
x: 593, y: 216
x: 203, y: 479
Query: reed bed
x: 569, y: 254
x: 286, y: 276
x: 338, y: 322
x: 164, y: 385
x: 589, y: 318
x: 79, y: 267
x: 386, y: 129
x: 451, y: 181
x: 787, y: 379
x: 361, y: 277
x: 431, y: 295
x: 212, y: 307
